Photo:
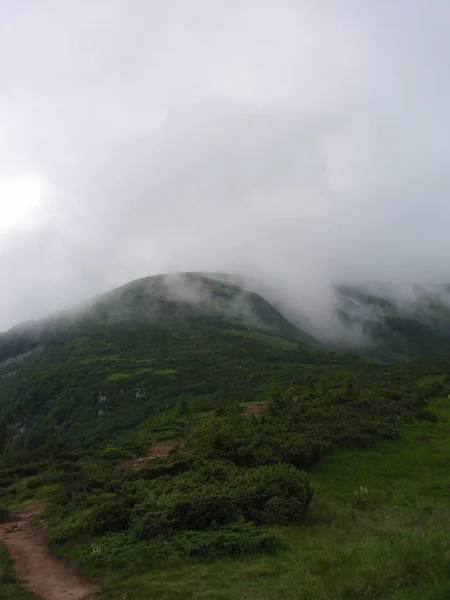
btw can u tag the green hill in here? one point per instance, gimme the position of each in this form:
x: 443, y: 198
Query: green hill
x: 386, y: 326
x: 169, y: 300
x: 192, y: 443
x: 109, y: 364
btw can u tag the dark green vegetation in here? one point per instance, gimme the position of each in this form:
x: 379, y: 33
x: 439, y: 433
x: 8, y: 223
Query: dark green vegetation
x: 336, y: 491
x: 10, y: 588
x: 394, y: 327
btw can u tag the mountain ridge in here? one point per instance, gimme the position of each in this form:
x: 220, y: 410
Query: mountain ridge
x: 249, y: 416
x: 394, y: 324
x: 176, y: 296
x: 388, y: 324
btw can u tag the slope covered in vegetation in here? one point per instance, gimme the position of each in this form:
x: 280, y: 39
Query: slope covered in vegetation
x: 390, y: 326
x: 268, y: 503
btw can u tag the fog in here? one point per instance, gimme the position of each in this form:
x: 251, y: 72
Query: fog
x: 300, y: 144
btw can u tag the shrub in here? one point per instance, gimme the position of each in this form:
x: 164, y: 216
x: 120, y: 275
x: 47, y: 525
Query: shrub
x: 118, y: 550
x: 68, y: 530
x: 48, y: 478
x: 219, y: 495
x: 273, y: 494
x: 4, y: 514
x: 427, y: 415
x: 234, y: 539
x: 361, y: 497
x: 111, y: 513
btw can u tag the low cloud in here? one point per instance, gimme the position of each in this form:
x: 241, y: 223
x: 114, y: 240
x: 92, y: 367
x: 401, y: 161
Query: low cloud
x: 298, y: 145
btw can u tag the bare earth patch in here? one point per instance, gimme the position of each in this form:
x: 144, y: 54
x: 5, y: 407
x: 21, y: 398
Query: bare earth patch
x: 42, y: 573
x: 256, y: 408
x: 156, y: 452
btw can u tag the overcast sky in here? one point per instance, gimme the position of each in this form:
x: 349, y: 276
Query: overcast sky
x: 306, y: 140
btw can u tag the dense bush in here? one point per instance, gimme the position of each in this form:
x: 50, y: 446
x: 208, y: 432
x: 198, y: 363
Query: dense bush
x: 299, y: 428
x: 111, y: 512
x: 234, y: 539
x: 236, y: 474
x: 49, y: 478
x: 122, y: 551
x: 4, y: 514
x: 427, y: 415
x: 212, y: 507
x: 10, y: 586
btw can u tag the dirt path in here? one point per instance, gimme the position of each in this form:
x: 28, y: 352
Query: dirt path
x: 254, y: 408
x: 158, y: 451
x: 46, y: 576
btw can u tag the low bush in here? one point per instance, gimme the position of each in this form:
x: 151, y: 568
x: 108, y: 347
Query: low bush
x: 427, y: 415
x: 48, y: 478
x: 218, y: 495
x: 215, y: 507
x: 10, y: 586
x: 4, y: 514
x: 236, y: 539
x: 111, y: 513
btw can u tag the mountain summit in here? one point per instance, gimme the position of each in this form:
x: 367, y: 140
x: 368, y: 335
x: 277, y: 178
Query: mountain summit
x: 161, y: 300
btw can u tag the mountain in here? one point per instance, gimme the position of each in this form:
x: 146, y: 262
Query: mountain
x: 104, y: 366
x: 168, y: 300
x: 188, y: 441
x: 394, y: 323
x: 380, y: 322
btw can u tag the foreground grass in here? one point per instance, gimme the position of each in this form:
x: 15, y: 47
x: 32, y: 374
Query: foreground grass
x: 10, y: 588
x: 341, y: 554
x: 393, y: 542
x: 409, y: 473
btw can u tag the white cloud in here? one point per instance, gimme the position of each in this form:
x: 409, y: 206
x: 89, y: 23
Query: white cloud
x: 21, y: 199
x: 303, y: 141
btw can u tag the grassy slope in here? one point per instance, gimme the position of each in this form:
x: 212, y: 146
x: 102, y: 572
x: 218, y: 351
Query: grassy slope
x: 409, y: 473
x: 397, y: 332
x: 10, y: 588
x: 172, y: 300
x: 391, y: 546
x: 144, y: 371
x: 397, y: 546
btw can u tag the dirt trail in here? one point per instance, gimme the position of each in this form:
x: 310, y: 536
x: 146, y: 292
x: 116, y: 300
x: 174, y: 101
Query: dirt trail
x: 254, y: 408
x: 46, y: 576
x: 158, y: 451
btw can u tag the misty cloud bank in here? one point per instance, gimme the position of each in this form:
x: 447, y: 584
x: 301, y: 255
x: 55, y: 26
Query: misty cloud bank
x: 296, y: 143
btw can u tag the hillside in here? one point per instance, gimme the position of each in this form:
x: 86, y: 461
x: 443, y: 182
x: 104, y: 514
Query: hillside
x: 181, y: 428
x: 171, y: 300
x: 395, y: 323
x: 137, y: 351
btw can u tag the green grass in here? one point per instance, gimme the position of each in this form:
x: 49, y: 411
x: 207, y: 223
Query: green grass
x: 428, y: 379
x: 341, y: 554
x: 117, y: 377
x: 410, y: 472
x: 264, y: 337
x: 68, y: 415
x: 10, y: 587
x: 396, y: 545
x: 165, y: 372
